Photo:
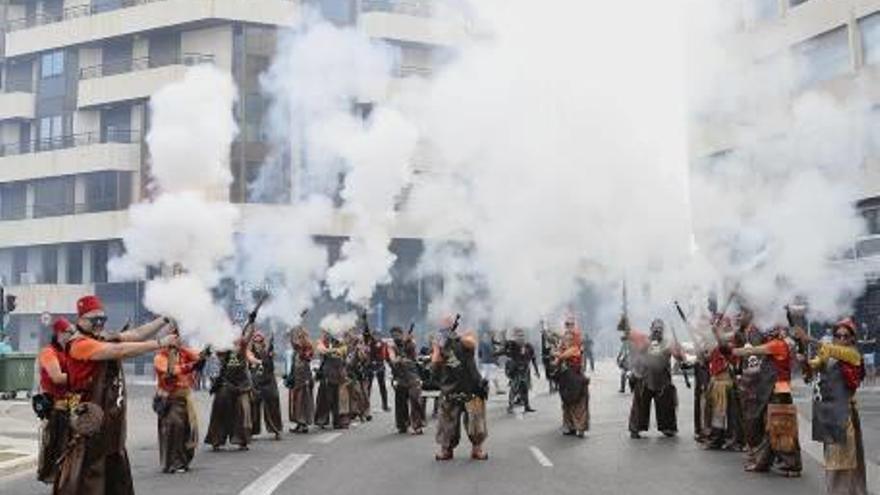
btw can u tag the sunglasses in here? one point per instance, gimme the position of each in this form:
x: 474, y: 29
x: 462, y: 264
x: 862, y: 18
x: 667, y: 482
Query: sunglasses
x: 97, y: 321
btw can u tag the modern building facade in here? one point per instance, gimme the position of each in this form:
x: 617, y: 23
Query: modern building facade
x: 832, y: 45
x: 75, y: 81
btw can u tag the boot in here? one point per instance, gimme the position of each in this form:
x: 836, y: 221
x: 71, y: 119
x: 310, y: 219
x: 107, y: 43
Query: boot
x: 478, y: 454
x: 444, y: 455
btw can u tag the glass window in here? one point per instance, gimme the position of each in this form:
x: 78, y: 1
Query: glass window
x: 795, y: 3
x: 19, y: 265
x: 51, y: 132
x: 49, y: 263
x: 74, y: 263
x: 53, y: 196
x: 102, y: 192
x: 869, y: 27
x: 100, y: 256
x: 13, y: 201
x: 824, y: 57
x: 52, y: 64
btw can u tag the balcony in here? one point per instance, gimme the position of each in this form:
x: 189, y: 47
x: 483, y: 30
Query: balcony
x: 410, y: 20
x: 16, y: 105
x: 85, y: 23
x: 52, y: 298
x: 132, y: 79
x: 63, y: 229
x: 68, y: 155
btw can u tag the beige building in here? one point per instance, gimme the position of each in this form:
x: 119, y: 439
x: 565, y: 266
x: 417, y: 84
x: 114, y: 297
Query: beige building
x: 75, y: 80
x: 787, y: 47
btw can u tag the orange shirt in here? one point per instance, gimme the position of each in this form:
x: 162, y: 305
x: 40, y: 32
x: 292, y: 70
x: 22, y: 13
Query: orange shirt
x: 82, y: 368
x: 780, y: 356
x: 51, y: 357
x: 182, y: 372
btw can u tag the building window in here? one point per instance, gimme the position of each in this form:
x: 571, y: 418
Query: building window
x: 824, y: 57
x: 51, y: 132
x: 795, y: 3
x: 107, y: 191
x: 13, y: 201
x: 52, y: 64
x: 869, y: 27
x: 20, y: 273
x: 53, y: 196
x: 74, y: 263
x: 100, y: 256
x: 49, y: 263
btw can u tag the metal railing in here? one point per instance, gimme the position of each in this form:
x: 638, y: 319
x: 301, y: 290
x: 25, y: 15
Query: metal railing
x: 46, y: 210
x: 74, y: 12
x: 70, y: 141
x: 414, y: 70
x: 421, y: 8
x: 143, y: 63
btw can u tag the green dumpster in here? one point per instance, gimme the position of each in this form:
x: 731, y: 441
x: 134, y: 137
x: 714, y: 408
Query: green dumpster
x: 16, y: 374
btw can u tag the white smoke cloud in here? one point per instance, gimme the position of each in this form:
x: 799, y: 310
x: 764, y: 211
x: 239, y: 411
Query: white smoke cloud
x: 337, y: 324
x: 192, y: 130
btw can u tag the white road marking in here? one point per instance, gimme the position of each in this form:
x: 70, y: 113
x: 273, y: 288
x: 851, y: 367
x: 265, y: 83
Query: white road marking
x: 540, y: 457
x: 271, y: 479
x: 325, y: 438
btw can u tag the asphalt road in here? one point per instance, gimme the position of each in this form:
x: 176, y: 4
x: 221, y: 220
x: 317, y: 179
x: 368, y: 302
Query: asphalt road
x: 527, y: 455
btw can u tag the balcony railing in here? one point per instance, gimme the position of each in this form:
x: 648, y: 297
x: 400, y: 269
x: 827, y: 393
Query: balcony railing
x: 414, y: 70
x: 46, y: 210
x: 74, y: 12
x: 421, y: 8
x: 143, y: 63
x: 70, y: 141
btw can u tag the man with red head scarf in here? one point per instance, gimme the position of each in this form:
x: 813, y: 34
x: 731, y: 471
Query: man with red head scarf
x: 836, y: 420
x: 96, y: 462
x: 53, y: 385
x: 652, y: 371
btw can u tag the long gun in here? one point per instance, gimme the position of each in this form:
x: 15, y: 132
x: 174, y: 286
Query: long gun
x: 446, y: 334
x: 252, y: 316
x: 796, y: 316
x: 687, y: 380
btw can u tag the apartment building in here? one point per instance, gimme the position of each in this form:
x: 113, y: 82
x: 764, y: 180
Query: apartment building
x: 830, y: 45
x: 75, y: 81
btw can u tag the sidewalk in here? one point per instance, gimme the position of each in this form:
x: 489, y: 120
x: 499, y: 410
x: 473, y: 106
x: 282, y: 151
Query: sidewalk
x: 19, y: 433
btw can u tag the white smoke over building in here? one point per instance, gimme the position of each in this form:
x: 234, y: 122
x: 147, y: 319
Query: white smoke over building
x: 184, y: 228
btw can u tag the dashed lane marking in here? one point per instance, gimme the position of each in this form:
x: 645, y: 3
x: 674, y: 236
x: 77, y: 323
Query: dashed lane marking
x: 271, y: 479
x: 540, y: 457
x: 325, y: 438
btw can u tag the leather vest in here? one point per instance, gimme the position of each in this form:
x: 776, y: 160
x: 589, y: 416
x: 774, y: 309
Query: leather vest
x: 831, y: 398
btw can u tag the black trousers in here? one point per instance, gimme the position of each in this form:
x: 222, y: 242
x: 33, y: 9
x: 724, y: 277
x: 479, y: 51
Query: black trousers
x: 665, y: 404
x: 408, y: 407
x: 379, y: 374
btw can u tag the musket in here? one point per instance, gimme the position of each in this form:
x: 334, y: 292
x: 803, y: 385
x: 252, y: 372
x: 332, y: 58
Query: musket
x: 252, y: 316
x: 796, y: 317
x: 687, y: 380
x: 412, y: 327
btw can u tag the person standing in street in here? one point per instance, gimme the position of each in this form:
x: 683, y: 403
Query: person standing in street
x: 573, y: 385
x: 778, y: 447
x: 653, y: 356
x: 265, y: 403
x: 55, y: 429
x: 377, y: 351
x: 177, y: 370
x: 520, y: 354
x: 332, y: 403
x: 231, y: 419
x: 836, y: 421
x: 300, y: 382
x: 402, y: 356
x: 95, y: 461
x: 463, y: 392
